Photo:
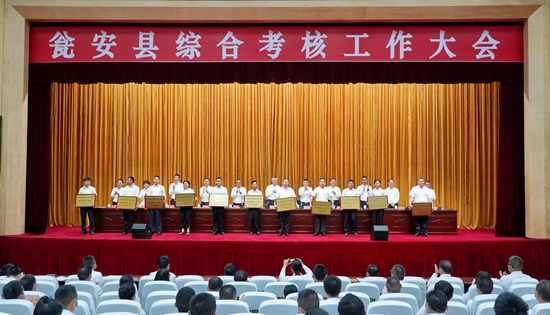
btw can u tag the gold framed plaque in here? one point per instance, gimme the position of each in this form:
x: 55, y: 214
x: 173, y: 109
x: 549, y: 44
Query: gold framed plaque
x: 285, y: 204
x: 218, y: 200
x: 154, y: 202
x: 350, y: 202
x: 126, y: 203
x: 378, y: 202
x: 84, y: 201
x: 254, y: 201
x: 185, y: 200
x: 321, y: 208
x: 421, y: 209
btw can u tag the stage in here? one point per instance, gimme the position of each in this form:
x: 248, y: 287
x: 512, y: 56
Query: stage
x: 61, y: 249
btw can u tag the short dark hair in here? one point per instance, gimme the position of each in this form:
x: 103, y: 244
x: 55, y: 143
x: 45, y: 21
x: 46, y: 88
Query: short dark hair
x: 28, y: 281
x: 126, y: 279
x: 156, y: 176
x: 482, y: 273
x: 516, y: 262
x: 4, y: 269
x: 12, y: 290
x: 316, y: 311
x: 543, y: 289
x: 437, y: 301
x: 351, y: 305
x: 445, y: 287
x: 163, y: 274
x: 332, y: 285
x: 254, y: 181
x: 308, y: 299
x: 507, y: 303
x: 320, y: 272
x: 88, y: 261
x: 240, y: 275
x: 219, y: 178
x: 215, y: 283
x: 163, y: 261
x: 178, y: 175
x: 48, y: 306
x: 188, y: 182
x: 446, y: 266
x: 398, y: 271
x: 202, y: 304
x: 146, y: 182
x: 65, y: 294
x: 132, y: 178
x: 296, y: 266
x: 289, y: 288
x: 13, y: 271
x: 86, y: 178
x: 393, y: 285
x: 126, y: 292
x: 183, y: 298
x: 84, y: 272
x: 119, y: 180
x: 373, y: 270
x: 484, y: 285
x: 229, y: 269
x: 228, y: 292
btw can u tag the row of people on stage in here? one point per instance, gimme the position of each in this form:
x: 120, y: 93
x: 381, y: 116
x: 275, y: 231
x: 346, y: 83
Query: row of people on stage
x: 326, y: 193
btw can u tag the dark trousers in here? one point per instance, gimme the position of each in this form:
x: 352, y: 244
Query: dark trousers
x: 320, y: 223
x: 185, y: 215
x: 90, y: 212
x: 204, y: 204
x: 337, y: 203
x: 304, y: 204
x: 269, y: 203
x: 254, y: 215
x: 396, y: 205
x: 363, y: 204
x: 155, y: 221
x: 283, y: 222
x: 217, y: 216
x: 377, y: 217
x: 350, y: 216
x: 129, y: 219
x: 421, y: 224
x: 240, y: 205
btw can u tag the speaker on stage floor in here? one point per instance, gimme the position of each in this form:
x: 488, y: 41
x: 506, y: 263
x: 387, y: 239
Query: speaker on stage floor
x: 379, y: 233
x: 140, y: 230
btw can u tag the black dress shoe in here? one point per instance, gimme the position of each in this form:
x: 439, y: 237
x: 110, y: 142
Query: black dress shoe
x: 426, y: 234
x: 215, y: 232
x: 287, y: 234
x: 92, y: 232
x: 123, y: 233
x: 158, y: 233
x: 324, y: 234
x: 417, y: 233
x: 82, y: 233
x: 279, y: 233
x: 251, y: 233
x: 181, y: 233
x: 257, y: 232
x: 346, y: 234
x: 355, y: 233
x: 316, y: 233
x: 222, y: 233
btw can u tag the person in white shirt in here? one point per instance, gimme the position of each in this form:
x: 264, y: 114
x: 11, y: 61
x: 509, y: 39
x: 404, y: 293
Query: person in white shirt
x: 542, y: 291
x: 254, y: 214
x: 87, y: 190
x: 484, y: 285
x: 432, y: 192
x: 271, y: 192
x: 68, y: 297
x: 335, y: 193
x: 118, y: 190
x: 218, y: 212
x: 97, y: 277
x: 393, y: 195
x: 185, y: 212
x: 143, y: 193
x: 204, y: 192
x: 283, y: 218
x: 350, y: 215
x: 163, y: 263
x: 321, y: 193
x: 296, y: 266
x: 237, y: 193
x: 155, y: 215
x: 515, y: 267
x: 84, y: 273
x: 129, y: 215
x: 436, y: 302
x: 377, y: 215
x: 444, y: 270
x: 364, y: 191
x: 175, y: 188
x: 305, y: 193
x: 420, y: 193
x: 393, y: 285
x: 128, y: 292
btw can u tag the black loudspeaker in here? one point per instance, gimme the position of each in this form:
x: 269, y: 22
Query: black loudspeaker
x: 140, y: 230
x: 379, y: 233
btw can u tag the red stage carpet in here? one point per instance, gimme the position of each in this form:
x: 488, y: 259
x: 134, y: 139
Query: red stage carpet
x: 61, y: 250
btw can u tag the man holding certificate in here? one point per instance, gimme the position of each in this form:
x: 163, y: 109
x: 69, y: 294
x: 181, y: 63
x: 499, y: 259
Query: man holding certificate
x: 377, y: 215
x: 321, y: 193
x: 155, y: 215
x: 218, y: 212
x: 254, y: 214
x: 420, y: 193
x: 129, y: 215
x: 350, y: 215
x: 87, y: 190
x: 283, y: 218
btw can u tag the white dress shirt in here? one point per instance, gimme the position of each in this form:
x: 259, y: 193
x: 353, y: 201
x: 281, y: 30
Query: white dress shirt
x: 285, y: 193
x: 337, y: 192
x: 434, y: 279
x: 505, y: 281
x: 284, y: 278
x: 432, y: 194
x: 256, y: 192
x: 204, y: 192
x: 97, y: 277
x: 131, y: 191
x: 393, y: 195
x: 420, y: 194
x: 175, y: 189
x: 349, y: 192
x: 141, y: 196
x: 364, y: 192
x: 238, y: 194
x: 269, y: 194
x: 321, y: 194
x: 305, y: 194
x: 114, y: 194
x: 377, y: 192
x: 218, y: 190
x: 87, y: 191
x: 66, y: 312
x: 172, y: 276
x: 157, y: 190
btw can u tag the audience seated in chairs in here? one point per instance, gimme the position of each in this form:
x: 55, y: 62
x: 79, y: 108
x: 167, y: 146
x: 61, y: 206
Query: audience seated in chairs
x: 542, y: 291
x: 229, y: 269
x: 397, y: 271
x: 393, y: 285
x: 372, y: 270
x: 97, y: 277
x: 319, y: 273
x: 183, y: 298
x: 510, y: 304
x: 14, y: 272
x: 240, y: 275
x: 351, y: 305
x: 84, y: 273
x: 48, y: 306
x: 484, y: 285
x: 333, y: 287
x: 291, y: 288
x: 68, y: 297
x: 202, y: 304
x: 307, y: 299
x: 444, y: 270
x: 515, y: 267
x: 228, y: 292
x: 4, y: 270
x: 128, y: 292
x: 162, y: 275
x: 296, y: 265
x: 442, y: 286
x: 29, y: 282
x: 317, y: 311
x: 163, y: 262
x: 13, y: 290
x: 436, y: 302
x: 214, y: 284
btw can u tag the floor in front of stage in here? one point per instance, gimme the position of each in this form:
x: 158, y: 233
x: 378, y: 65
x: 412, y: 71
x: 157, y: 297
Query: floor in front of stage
x: 61, y: 249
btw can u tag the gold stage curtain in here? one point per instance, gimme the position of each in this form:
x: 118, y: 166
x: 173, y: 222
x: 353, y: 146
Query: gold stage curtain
x: 447, y: 133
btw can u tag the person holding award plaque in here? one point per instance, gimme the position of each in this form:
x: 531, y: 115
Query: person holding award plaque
x: 155, y: 215
x: 238, y: 193
x: 283, y: 218
x: 254, y: 214
x: 204, y: 192
x: 218, y: 212
x: 305, y: 193
x: 321, y: 193
x: 185, y: 212
x: 350, y: 215
x: 393, y: 195
x: 364, y: 191
x: 130, y: 215
x: 175, y: 188
x: 117, y: 191
x: 87, y: 190
x: 271, y: 192
x: 377, y: 215
x: 420, y: 193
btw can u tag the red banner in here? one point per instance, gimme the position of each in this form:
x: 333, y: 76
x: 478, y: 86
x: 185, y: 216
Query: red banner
x: 498, y: 43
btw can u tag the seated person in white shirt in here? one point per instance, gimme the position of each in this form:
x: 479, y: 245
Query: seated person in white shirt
x: 163, y: 262
x: 373, y: 270
x: 13, y: 290
x: 228, y: 292
x: 351, y: 305
x: 162, y: 275
x: 296, y: 267
x: 480, y: 273
x: 183, y: 298
x: 128, y: 292
x: 332, y: 286
x: 484, y: 285
x: 97, y: 277
x: 442, y: 286
x: 291, y: 288
x: 397, y: 271
x: 214, y: 284
x: 14, y: 272
x: 436, y: 302
x: 4, y: 269
x: 48, y: 306
x: 28, y: 282
x: 393, y: 285
x: 444, y: 270
x: 319, y: 273
x: 85, y: 274
x: 542, y: 291
x: 307, y: 299
x: 68, y: 297
x: 202, y: 304
x: 240, y: 276
x: 515, y: 267
x: 508, y: 303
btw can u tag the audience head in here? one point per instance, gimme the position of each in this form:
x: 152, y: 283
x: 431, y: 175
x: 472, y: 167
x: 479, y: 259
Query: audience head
x: 67, y: 296
x: 14, y: 272
x: 351, y: 305
x: 445, y: 287
x: 436, y: 302
x: 515, y: 263
x: 393, y: 285
x: 307, y: 299
x: 240, y: 275
x: 372, y: 270
x: 229, y: 269
x: 542, y: 291
x: 333, y: 286
x: 215, y: 284
x: 290, y: 288
x: 4, y: 269
x: 127, y: 292
x: 163, y: 262
x: 398, y: 271
x: 202, y: 304
x: 183, y: 298
x: 84, y: 273
x: 445, y: 267
x: 482, y: 273
x: 319, y: 272
x: 508, y: 303
x: 296, y: 266
x: 126, y: 279
x: 89, y: 261
x: 13, y: 290
x: 484, y: 285
x: 228, y: 292
x: 48, y: 306
x: 28, y: 282
x: 317, y: 311
x: 163, y: 274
